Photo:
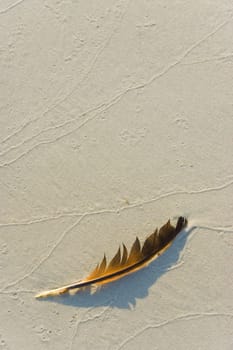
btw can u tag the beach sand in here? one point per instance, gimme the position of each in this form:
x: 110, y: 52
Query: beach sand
x: 114, y: 117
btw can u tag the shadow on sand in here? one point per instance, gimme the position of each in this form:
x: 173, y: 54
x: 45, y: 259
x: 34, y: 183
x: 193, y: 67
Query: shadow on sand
x: 123, y: 293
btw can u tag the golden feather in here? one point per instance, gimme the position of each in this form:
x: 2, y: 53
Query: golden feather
x: 124, y: 263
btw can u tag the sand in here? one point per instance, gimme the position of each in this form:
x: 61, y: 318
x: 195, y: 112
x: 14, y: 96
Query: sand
x: 114, y: 117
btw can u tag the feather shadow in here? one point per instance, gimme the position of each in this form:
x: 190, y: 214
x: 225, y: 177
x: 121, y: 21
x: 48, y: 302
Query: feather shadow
x: 124, y: 293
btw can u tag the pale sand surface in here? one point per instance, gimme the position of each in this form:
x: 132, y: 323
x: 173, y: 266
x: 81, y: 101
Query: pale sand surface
x: 114, y: 117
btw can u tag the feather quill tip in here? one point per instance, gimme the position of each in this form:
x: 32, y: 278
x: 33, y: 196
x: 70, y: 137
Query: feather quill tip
x: 51, y: 293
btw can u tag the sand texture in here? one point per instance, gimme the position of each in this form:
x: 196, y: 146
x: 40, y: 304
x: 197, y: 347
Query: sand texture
x: 114, y: 117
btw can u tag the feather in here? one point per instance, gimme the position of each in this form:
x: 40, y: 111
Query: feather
x: 124, y: 263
